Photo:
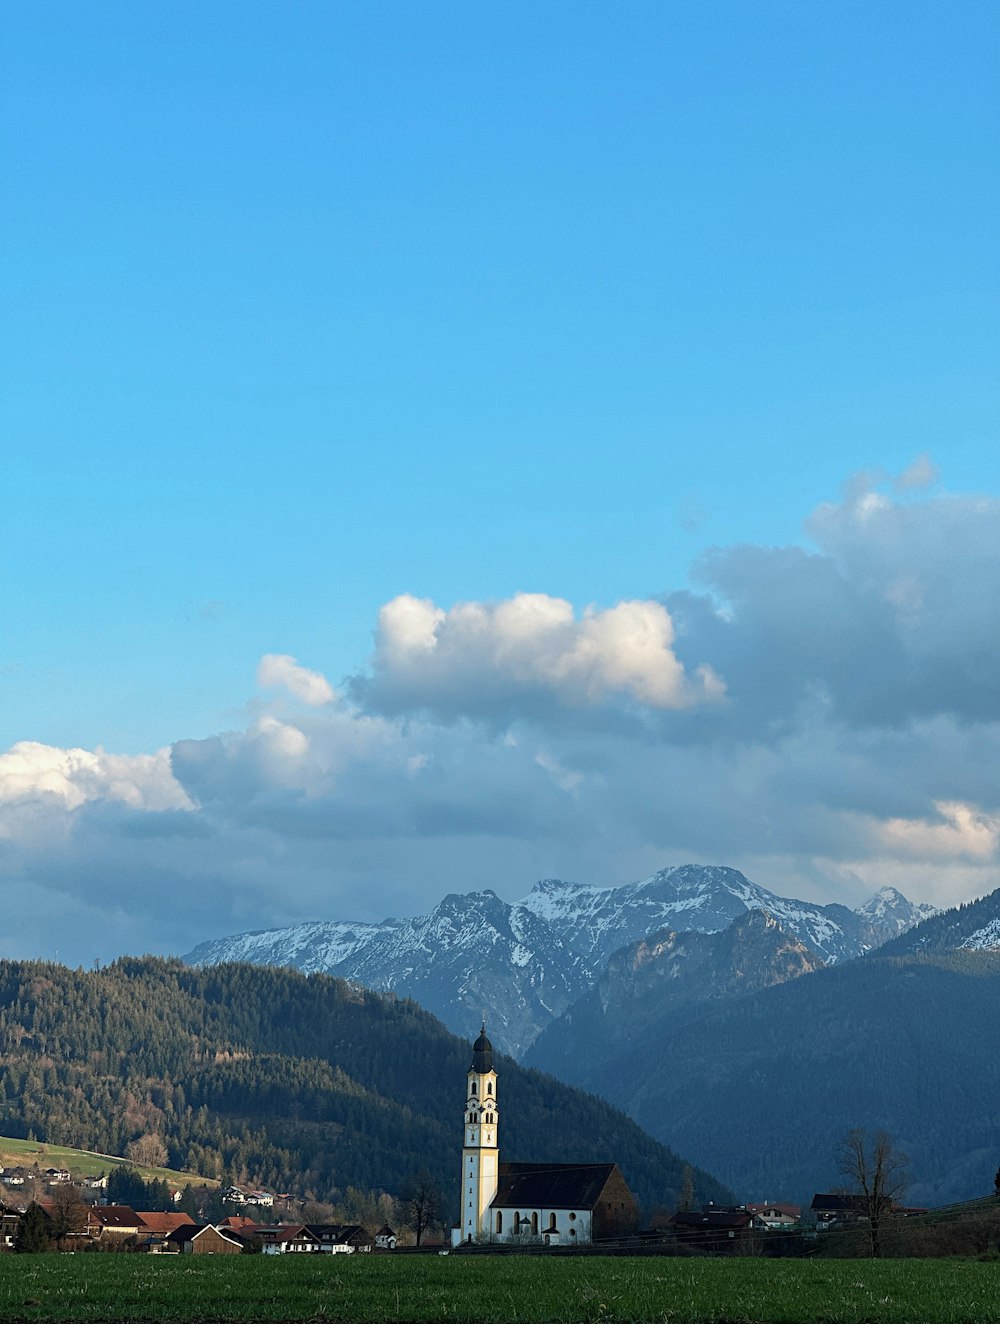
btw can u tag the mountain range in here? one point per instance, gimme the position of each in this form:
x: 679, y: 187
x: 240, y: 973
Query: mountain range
x: 528, y: 961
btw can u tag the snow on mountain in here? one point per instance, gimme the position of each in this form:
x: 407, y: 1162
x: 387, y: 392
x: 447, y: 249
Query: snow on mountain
x: 697, y: 898
x: 525, y: 963
x: 889, y: 914
x: 984, y: 939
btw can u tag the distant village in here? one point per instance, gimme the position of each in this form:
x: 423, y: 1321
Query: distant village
x: 77, y: 1216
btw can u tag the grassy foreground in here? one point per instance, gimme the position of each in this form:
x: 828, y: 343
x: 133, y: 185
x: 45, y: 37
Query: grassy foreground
x: 494, y: 1290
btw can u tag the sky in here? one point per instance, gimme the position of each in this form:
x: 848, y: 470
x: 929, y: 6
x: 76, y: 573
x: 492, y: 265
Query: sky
x: 446, y: 446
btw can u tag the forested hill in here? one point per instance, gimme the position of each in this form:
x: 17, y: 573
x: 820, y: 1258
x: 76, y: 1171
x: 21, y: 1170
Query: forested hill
x: 294, y: 1082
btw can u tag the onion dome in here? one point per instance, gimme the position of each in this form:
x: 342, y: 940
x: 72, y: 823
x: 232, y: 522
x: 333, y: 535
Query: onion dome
x: 482, y: 1053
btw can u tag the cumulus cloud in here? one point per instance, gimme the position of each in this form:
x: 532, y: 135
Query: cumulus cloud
x: 891, y: 616
x: 525, y: 652
x: 280, y: 669
x: 30, y: 771
x: 957, y: 831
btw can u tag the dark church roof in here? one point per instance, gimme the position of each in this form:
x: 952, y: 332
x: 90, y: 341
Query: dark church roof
x: 552, y: 1186
x: 482, y: 1053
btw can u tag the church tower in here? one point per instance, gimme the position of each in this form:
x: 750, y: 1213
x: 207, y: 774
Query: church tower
x: 479, y: 1152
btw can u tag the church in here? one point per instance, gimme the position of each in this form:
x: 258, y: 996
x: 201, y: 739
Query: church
x: 560, y: 1204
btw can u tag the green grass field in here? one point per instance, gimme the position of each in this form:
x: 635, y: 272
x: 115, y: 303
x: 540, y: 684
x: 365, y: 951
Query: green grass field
x: 360, y: 1289
x: 82, y: 1163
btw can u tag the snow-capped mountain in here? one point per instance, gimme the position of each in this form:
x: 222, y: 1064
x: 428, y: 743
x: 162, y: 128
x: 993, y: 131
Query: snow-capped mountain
x: 706, y: 899
x: 889, y: 914
x: 525, y: 962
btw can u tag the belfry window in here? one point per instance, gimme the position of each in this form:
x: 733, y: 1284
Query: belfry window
x: 472, y: 1088
x: 489, y: 1087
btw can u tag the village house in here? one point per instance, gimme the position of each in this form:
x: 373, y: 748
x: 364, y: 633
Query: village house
x: 775, y: 1217
x: 296, y: 1239
x: 341, y: 1238
x: 9, y: 1219
x: 112, y: 1221
x: 385, y: 1238
x: 839, y: 1210
x: 721, y: 1231
x: 199, y: 1239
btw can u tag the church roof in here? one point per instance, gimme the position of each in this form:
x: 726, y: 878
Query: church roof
x: 551, y: 1186
x: 482, y: 1054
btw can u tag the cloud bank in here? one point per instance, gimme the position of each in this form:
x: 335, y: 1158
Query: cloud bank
x: 825, y: 717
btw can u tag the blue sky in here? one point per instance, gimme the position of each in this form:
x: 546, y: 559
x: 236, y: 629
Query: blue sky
x: 310, y: 306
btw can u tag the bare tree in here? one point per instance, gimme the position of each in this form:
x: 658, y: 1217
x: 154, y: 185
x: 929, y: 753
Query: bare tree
x: 420, y: 1203
x: 685, y: 1199
x: 148, y: 1151
x: 878, y: 1174
x: 68, y: 1212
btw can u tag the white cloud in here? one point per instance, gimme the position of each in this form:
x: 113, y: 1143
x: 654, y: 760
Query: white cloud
x: 32, y: 771
x: 958, y: 831
x: 479, y: 658
x: 280, y: 669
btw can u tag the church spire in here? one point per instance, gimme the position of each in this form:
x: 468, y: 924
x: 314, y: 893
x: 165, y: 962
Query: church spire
x: 480, y: 1160
x: 482, y: 1053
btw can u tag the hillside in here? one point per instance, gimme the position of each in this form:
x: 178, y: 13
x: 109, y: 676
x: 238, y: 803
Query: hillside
x: 85, y: 1162
x: 662, y: 979
x: 760, y: 1087
x: 307, y: 1084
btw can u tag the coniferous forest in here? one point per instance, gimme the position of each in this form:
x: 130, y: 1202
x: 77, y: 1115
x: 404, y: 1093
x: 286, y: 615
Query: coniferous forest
x: 304, y: 1084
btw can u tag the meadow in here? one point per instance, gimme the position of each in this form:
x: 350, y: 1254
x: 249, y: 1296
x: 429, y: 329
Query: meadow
x: 494, y: 1289
x: 86, y: 1162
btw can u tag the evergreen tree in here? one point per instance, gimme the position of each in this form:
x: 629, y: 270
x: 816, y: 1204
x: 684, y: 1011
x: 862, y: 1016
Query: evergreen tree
x: 32, y: 1231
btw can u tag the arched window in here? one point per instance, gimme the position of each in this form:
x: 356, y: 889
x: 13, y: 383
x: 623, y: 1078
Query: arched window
x: 472, y: 1088
x: 517, y: 1221
x: 489, y: 1087
x: 534, y: 1224
x: 552, y: 1222
x: 499, y: 1221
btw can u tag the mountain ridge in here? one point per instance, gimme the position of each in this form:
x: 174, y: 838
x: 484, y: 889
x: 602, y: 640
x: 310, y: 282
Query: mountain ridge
x: 529, y: 960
